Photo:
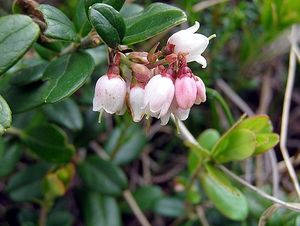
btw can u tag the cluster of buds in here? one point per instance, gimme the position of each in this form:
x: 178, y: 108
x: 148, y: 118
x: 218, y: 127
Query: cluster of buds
x: 158, y: 83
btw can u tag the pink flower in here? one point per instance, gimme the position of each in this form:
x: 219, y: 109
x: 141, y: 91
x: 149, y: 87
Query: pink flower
x: 136, y: 102
x: 201, y: 96
x: 159, y: 93
x: 185, y: 92
x: 110, y: 94
x: 179, y: 113
x: 187, y: 41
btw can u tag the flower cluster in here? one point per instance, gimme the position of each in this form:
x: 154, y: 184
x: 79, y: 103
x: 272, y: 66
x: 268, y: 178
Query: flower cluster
x: 159, y: 83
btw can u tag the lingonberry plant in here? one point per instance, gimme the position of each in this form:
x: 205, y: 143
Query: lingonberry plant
x: 88, y: 88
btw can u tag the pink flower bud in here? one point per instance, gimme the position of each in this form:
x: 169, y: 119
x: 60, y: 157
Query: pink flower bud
x: 185, y: 92
x: 110, y: 94
x: 201, y: 96
x: 136, y: 102
x: 159, y: 93
x: 141, y: 72
x: 187, y: 41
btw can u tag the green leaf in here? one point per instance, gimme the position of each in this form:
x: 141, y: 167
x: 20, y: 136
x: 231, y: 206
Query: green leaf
x: 66, y: 75
x: 102, y: 176
x: 257, y: 124
x: 60, y: 217
x: 49, y: 142
x: 99, y: 210
x: 208, y: 138
x: 147, y: 196
x: 169, y: 207
x: 58, y: 24
x: 28, y: 75
x: 128, y: 144
x: 238, y: 144
x: 108, y: 23
x: 131, y: 9
x: 82, y: 24
x: 9, y: 159
x: 227, y: 198
x: 61, y: 79
x: 26, y: 185
x: 265, y: 142
x: 17, y: 34
x: 156, y: 18
x: 65, y: 113
x: 117, y: 4
x: 5, y: 115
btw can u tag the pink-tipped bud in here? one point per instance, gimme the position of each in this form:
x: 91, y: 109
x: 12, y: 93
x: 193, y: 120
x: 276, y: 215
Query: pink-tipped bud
x: 141, y: 72
x: 138, y: 57
x: 185, y: 92
x: 110, y: 93
x: 136, y: 102
x: 201, y: 96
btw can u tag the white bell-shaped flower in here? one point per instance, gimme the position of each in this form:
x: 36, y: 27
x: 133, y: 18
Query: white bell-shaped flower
x: 110, y: 94
x: 136, y: 102
x: 191, y: 43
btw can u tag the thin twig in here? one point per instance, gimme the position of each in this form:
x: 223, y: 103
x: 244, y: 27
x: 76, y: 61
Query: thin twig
x: 135, y: 208
x: 267, y: 214
x: 285, y: 118
x: 201, y: 216
x: 288, y: 205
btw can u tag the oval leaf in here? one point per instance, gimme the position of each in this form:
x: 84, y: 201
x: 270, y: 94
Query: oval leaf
x: 17, y: 34
x: 227, y: 199
x: 58, y: 24
x: 49, y: 142
x: 265, y: 142
x: 117, y: 4
x: 237, y: 144
x: 257, y: 124
x: 100, y: 210
x: 5, y: 115
x: 108, y: 23
x: 156, y: 18
x: 9, y: 159
x: 208, y: 138
x: 26, y: 185
x: 169, y: 207
x: 102, y: 176
x: 66, y: 75
x: 65, y: 113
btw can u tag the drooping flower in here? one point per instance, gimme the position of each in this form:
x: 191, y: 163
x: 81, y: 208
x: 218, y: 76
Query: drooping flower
x: 185, y: 88
x: 191, y: 43
x: 159, y: 93
x: 136, y: 102
x: 110, y: 93
x: 201, y: 95
x: 179, y: 113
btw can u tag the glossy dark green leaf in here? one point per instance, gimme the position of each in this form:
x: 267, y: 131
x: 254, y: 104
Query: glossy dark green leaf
x: 82, y: 24
x: 117, y: 4
x: 28, y: 75
x: 9, y: 159
x: 99, y: 210
x: 58, y: 24
x: 60, y: 217
x: 108, y: 23
x: 5, y: 115
x: 227, y: 198
x: 155, y: 19
x: 26, y: 185
x: 130, y: 9
x: 66, y: 75
x: 169, y: 207
x: 17, y: 34
x: 65, y: 113
x: 102, y: 176
x: 208, y: 138
x: 49, y: 142
x: 237, y: 144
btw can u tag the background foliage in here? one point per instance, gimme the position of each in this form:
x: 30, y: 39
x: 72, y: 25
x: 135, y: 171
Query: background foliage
x: 59, y: 166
